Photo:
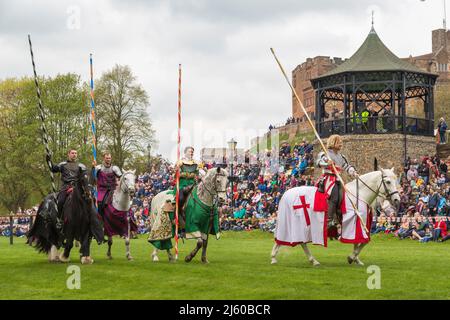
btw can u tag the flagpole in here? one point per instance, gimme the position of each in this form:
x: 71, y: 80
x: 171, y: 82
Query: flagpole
x: 319, y: 139
x: 93, y: 129
x: 177, y: 174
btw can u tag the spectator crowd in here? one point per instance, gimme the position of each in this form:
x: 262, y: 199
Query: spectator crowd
x: 423, y: 214
x: 424, y: 202
x: 21, y: 222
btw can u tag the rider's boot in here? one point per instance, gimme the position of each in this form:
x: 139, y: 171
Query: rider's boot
x: 332, y: 225
x: 332, y: 220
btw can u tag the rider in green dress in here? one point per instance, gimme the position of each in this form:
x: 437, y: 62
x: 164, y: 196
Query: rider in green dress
x: 189, y: 172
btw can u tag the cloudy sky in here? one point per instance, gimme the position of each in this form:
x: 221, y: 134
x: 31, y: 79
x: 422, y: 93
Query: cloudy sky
x: 231, y: 84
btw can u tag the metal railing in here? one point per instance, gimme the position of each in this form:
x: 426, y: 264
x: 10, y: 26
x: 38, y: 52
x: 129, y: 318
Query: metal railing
x: 376, y: 125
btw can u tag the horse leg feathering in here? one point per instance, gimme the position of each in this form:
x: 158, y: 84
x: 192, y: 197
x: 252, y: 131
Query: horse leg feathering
x: 53, y: 255
x: 87, y: 260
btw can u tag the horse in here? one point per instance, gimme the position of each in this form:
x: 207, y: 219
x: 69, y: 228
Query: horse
x: 79, y: 222
x: 300, y: 222
x: 116, y: 215
x: 201, y: 217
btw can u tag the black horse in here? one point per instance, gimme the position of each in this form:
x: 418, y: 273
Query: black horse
x: 79, y: 221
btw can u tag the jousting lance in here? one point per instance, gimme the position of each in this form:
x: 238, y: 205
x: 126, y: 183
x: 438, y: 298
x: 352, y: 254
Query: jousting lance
x: 43, y: 127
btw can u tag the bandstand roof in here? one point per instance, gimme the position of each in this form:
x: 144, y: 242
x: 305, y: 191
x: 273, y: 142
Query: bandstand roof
x: 373, y: 55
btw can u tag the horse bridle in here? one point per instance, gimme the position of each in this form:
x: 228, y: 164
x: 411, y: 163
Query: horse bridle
x: 121, y: 183
x: 387, y: 194
x: 215, y: 185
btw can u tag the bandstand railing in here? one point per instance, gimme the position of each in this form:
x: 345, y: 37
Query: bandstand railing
x: 376, y: 125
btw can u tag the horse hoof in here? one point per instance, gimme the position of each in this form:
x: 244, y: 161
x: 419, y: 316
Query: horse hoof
x: 350, y: 260
x: 205, y: 261
x: 188, y: 258
x: 155, y: 258
x: 273, y: 261
x: 55, y: 259
x: 63, y: 259
x: 358, y: 262
x: 109, y: 257
x: 314, y: 262
x: 87, y: 260
x: 130, y: 258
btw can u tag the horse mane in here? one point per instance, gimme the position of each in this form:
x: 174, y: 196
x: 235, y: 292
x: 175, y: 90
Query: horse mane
x: 206, y: 180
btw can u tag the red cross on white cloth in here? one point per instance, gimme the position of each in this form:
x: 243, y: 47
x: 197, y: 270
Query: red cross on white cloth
x: 305, y: 206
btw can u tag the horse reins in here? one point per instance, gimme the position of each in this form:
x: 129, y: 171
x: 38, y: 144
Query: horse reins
x: 382, y: 183
x: 215, y: 185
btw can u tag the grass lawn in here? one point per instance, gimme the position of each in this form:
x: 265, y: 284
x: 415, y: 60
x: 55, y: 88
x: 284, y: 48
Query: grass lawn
x: 239, y: 269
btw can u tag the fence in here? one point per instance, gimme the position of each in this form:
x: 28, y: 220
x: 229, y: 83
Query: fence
x: 10, y: 223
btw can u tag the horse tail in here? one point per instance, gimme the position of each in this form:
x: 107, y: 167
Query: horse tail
x: 42, y: 234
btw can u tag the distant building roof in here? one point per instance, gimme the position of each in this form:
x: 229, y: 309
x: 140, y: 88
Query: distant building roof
x: 373, y: 55
x: 427, y: 56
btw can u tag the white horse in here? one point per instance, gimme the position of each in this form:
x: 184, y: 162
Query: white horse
x: 116, y: 216
x: 211, y: 185
x: 298, y: 225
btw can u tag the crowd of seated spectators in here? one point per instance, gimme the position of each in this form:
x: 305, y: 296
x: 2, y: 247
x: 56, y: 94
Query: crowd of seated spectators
x: 424, y: 202
x: 21, y: 223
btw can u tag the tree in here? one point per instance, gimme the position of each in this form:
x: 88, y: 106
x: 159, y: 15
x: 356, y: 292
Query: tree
x: 67, y: 116
x: 123, y: 124
x: 23, y: 171
x: 17, y: 144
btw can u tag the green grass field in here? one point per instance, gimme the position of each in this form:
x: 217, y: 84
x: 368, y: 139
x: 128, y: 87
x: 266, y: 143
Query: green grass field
x: 239, y: 269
